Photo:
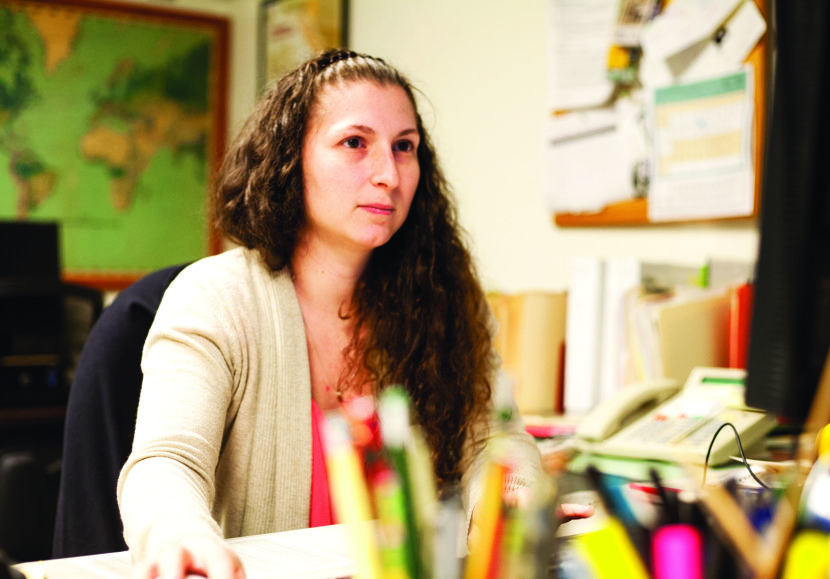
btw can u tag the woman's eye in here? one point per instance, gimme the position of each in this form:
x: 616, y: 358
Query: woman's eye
x: 405, y: 146
x: 353, y: 142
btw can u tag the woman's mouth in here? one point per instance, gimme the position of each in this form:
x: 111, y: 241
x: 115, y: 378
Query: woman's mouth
x: 378, y: 209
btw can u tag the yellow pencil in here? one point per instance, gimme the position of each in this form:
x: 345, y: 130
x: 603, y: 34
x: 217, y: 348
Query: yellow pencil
x: 350, y: 495
x: 484, y: 551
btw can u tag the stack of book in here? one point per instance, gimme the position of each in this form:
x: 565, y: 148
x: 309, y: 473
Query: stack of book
x: 632, y: 321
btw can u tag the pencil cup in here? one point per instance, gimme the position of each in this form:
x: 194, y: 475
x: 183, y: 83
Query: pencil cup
x: 677, y: 552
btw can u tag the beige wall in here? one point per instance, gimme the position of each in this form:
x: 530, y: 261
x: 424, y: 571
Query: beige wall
x: 481, y: 65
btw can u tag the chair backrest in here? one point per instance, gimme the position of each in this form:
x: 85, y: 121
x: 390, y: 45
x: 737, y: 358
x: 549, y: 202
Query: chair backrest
x: 100, y: 420
x: 29, y: 476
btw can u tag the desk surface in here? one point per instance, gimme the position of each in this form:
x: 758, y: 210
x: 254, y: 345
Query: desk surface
x: 318, y: 553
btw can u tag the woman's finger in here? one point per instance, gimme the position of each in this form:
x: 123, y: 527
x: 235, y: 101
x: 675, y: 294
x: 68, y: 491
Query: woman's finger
x: 570, y: 511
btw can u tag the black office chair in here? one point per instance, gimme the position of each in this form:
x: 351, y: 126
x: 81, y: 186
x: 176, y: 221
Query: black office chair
x: 100, y: 420
x: 43, y: 326
x: 29, y: 475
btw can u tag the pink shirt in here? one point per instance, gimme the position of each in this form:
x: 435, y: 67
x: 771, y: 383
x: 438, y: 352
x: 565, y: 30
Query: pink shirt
x: 320, y: 513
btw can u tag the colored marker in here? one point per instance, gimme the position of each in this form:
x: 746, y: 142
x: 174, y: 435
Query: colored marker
x: 448, y: 530
x: 391, y: 523
x: 424, y: 495
x: 484, y: 552
x: 808, y: 556
x: 618, y: 508
x: 393, y: 413
x: 677, y: 552
x: 610, y: 553
x: 670, y: 511
x: 514, y: 561
x: 350, y: 495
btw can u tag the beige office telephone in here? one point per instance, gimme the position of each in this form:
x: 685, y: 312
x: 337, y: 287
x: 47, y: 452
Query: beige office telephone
x: 676, y: 424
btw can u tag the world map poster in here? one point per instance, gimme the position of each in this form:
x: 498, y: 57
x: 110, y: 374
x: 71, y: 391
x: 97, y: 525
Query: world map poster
x: 112, y: 119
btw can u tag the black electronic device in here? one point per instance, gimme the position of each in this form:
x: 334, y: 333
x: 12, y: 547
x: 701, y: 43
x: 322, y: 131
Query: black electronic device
x: 30, y: 250
x: 31, y: 310
x: 790, y: 327
x: 43, y: 321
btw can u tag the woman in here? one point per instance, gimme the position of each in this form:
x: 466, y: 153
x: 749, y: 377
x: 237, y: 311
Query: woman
x: 352, y: 275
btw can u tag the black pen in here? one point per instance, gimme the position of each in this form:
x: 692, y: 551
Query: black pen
x: 670, y: 509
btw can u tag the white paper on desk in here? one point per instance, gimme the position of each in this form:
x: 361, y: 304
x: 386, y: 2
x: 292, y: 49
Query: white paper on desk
x: 590, y: 157
x: 110, y: 565
x: 579, y: 36
x: 702, y: 163
x: 684, y: 23
x: 267, y: 557
x: 708, y: 57
x: 271, y: 556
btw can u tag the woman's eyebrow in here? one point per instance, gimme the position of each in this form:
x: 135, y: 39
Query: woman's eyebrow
x: 369, y: 130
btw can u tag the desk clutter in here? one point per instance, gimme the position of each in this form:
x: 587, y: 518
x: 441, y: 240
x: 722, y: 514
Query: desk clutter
x: 772, y: 524
x: 419, y: 534
x: 776, y: 528
x: 760, y: 520
x: 622, y: 320
x: 663, y: 530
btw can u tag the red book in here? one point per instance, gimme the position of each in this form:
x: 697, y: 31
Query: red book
x: 739, y: 321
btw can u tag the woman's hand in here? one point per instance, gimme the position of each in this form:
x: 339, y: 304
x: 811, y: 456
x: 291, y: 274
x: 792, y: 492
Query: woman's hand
x: 519, y: 498
x: 570, y: 511
x: 196, y: 555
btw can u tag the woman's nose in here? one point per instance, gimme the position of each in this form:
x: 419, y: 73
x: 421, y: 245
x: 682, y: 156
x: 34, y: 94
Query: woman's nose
x: 385, y: 169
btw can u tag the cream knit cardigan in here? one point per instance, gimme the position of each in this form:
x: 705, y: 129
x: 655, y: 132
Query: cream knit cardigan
x: 223, y: 434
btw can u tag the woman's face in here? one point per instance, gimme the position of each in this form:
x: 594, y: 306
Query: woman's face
x: 360, y: 165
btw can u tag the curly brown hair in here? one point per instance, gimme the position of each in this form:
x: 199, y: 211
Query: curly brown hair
x: 419, y: 309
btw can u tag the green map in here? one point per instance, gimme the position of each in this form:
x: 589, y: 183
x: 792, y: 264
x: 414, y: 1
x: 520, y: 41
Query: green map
x: 106, y: 127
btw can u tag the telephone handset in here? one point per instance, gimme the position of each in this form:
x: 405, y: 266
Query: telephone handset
x: 626, y: 406
x: 677, y: 424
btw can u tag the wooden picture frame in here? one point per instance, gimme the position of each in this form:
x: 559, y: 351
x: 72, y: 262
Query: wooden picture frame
x: 292, y: 31
x: 116, y: 127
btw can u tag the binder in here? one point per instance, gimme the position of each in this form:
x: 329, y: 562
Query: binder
x: 740, y: 315
x: 531, y: 340
x: 693, y: 331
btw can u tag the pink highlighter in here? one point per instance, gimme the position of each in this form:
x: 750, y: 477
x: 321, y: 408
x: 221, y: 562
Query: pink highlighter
x: 677, y: 552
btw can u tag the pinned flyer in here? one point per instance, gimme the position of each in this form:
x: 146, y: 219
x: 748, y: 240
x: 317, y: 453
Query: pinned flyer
x: 703, y: 147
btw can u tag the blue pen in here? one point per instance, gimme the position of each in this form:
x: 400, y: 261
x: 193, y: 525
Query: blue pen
x: 618, y: 508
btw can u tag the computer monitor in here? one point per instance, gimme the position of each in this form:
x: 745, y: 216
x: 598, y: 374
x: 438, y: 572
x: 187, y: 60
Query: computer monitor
x: 29, y: 250
x: 790, y: 326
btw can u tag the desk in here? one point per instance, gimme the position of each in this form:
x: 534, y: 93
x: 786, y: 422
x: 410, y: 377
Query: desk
x: 318, y: 553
